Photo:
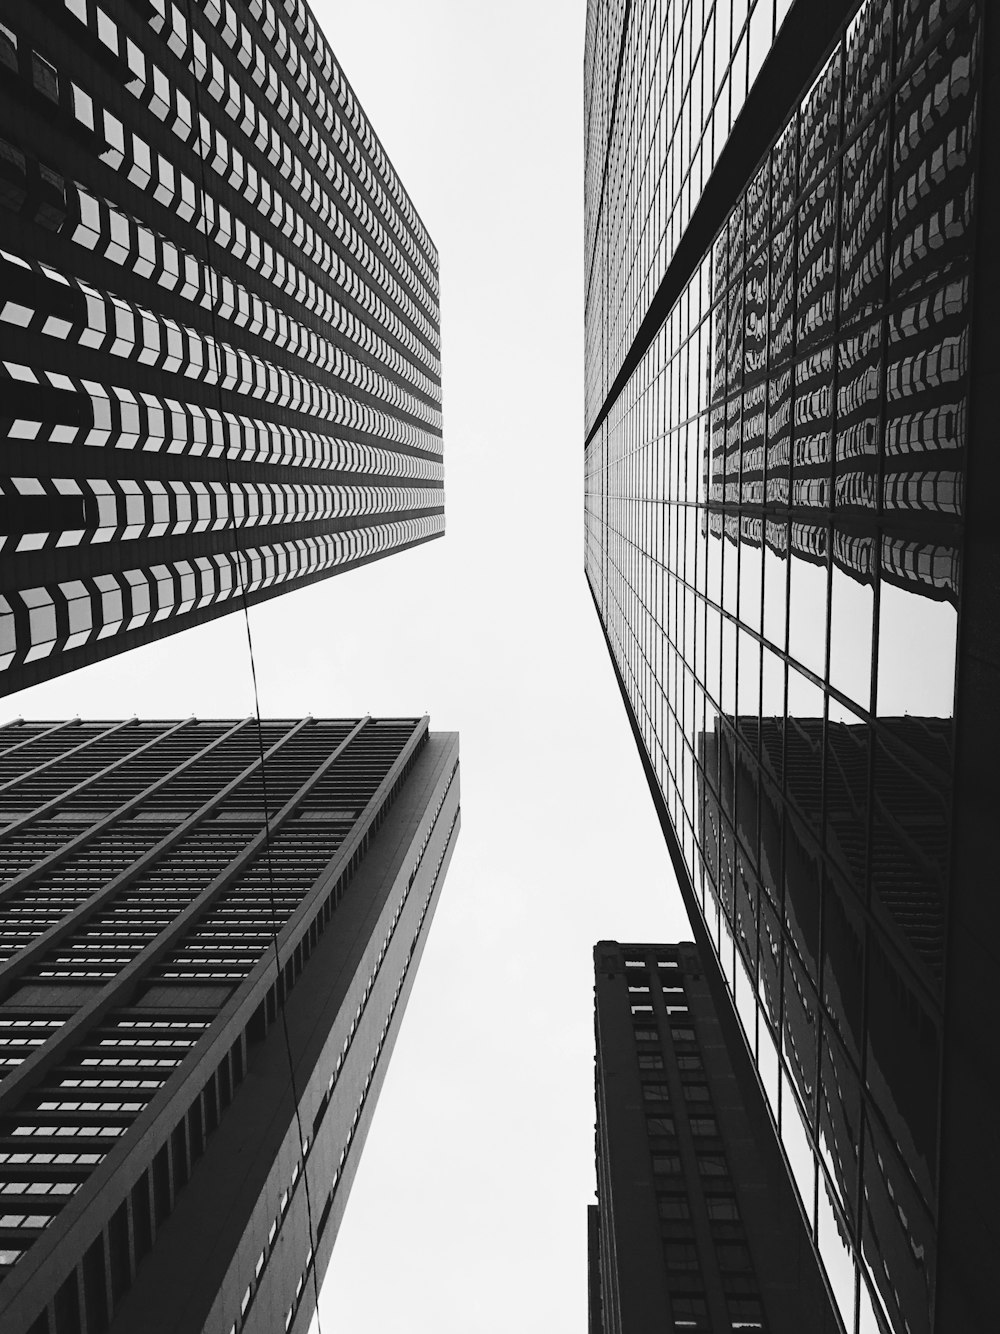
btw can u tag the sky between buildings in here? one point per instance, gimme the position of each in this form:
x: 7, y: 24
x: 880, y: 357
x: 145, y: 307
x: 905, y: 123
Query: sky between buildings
x: 468, y: 1215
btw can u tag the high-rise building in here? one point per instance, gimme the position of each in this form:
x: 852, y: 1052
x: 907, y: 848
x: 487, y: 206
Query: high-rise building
x: 209, y: 931
x: 790, y: 475
x: 219, y: 329
x: 696, y: 1225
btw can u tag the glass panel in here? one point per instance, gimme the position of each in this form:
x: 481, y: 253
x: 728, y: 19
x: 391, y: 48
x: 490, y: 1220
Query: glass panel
x: 839, y: 1119
x: 916, y: 654
x: 897, y: 1241
x: 728, y: 668
x: 903, y: 1062
x: 748, y: 691
x: 746, y: 931
x: 798, y: 1148
x: 776, y: 584
x: 910, y: 838
x: 872, y: 1318
x: 726, y: 948
x: 805, y: 700
x: 713, y: 552
x: 750, y: 584
x: 807, y: 598
x: 835, y: 1250
x: 852, y: 611
x: 761, y: 32
x: 847, y: 800
x: 859, y: 416
x: 772, y: 700
x: 730, y: 573
x: 866, y: 72
x: 767, y: 1066
x: 843, y: 963
x: 811, y: 443
x: 798, y: 1030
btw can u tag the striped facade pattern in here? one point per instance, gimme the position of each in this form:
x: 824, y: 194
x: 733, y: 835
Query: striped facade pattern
x: 164, y: 885
x: 219, y: 310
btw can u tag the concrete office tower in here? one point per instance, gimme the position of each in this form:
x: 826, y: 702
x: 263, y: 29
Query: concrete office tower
x: 696, y: 1226
x: 790, y: 541
x: 219, y: 334
x: 197, y: 1007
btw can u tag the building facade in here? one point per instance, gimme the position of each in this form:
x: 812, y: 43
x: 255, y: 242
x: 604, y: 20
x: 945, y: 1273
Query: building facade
x: 789, y: 472
x: 209, y: 932
x: 219, y: 327
x: 696, y: 1225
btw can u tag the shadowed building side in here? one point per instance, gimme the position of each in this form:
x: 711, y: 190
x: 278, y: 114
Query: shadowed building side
x: 197, y: 1007
x: 697, y: 1226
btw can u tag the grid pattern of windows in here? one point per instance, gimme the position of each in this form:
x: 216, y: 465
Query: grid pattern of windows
x: 773, y: 541
x: 663, y: 84
x: 213, y: 279
x: 690, y: 1120
x: 704, y: 1258
x: 144, y: 894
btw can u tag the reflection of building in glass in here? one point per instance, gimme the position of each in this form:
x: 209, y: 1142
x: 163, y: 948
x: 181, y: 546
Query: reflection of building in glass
x: 779, y: 412
x: 858, y: 408
x: 219, y: 341
x: 204, y: 969
x: 804, y: 856
x: 696, y: 1226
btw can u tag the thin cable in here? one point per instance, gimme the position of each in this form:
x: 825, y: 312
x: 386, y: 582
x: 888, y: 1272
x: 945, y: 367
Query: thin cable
x: 277, y: 959
x: 244, y: 599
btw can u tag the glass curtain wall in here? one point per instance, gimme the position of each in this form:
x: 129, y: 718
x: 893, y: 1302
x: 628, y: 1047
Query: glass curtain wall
x: 773, y: 540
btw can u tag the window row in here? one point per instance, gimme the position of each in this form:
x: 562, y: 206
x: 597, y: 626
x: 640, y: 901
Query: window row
x: 123, y: 510
x: 37, y: 622
x: 168, y: 103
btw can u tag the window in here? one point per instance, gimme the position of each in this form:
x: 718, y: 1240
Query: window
x: 666, y: 1164
x: 746, y: 1313
x: 683, y: 1034
x: 39, y: 1187
x: 647, y: 1035
x: 703, y: 1125
x: 115, y: 1106
x: 712, y: 1165
x: 690, y: 1310
x: 696, y: 1093
x: 673, y: 1206
x: 650, y: 1060
x: 722, y: 1208
x: 656, y: 1092
x: 660, y: 1125
x: 51, y: 1159
x: 688, y: 1062
x: 44, y: 77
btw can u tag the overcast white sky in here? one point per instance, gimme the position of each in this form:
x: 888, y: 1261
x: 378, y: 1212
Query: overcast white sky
x: 468, y: 1215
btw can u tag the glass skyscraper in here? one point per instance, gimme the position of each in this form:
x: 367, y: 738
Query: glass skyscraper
x: 208, y: 934
x: 788, y: 542
x: 219, y: 327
